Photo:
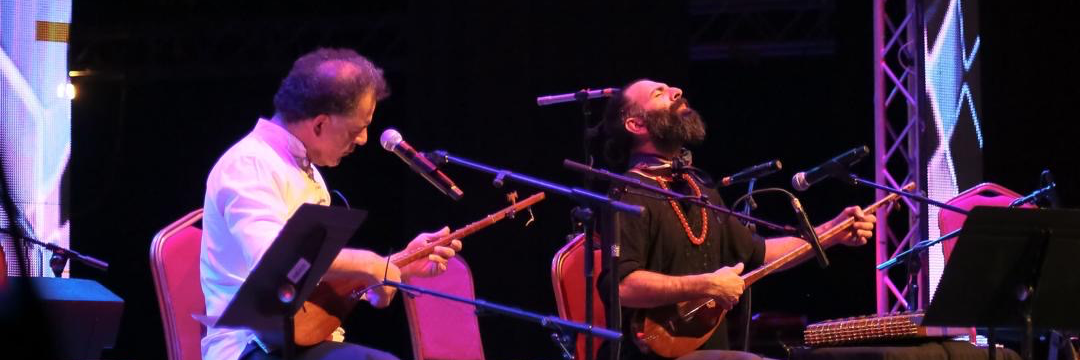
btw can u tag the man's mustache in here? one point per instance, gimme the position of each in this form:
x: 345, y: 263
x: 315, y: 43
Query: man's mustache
x: 679, y: 102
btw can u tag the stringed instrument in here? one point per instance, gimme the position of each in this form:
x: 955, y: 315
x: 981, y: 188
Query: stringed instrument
x: 876, y: 329
x: 331, y: 301
x: 676, y: 330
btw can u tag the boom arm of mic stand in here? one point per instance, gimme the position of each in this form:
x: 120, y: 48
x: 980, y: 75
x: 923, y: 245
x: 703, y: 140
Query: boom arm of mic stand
x: 915, y: 250
x: 635, y: 183
x: 553, y: 322
x: 855, y: 180
x: 581, y: 195
x: 67, y: 253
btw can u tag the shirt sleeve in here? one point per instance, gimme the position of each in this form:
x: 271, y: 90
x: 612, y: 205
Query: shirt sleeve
x: 252, y: 206
x: 748, y: 247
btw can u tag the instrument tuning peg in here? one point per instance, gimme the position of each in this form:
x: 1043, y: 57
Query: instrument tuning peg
x: 532, y: 217
x: 511, y: 197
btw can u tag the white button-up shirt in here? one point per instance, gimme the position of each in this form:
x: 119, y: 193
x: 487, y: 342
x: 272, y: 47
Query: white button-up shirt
x: 252, y: 190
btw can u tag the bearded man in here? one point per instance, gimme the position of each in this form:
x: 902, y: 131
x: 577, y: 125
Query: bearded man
x: 677, y: 252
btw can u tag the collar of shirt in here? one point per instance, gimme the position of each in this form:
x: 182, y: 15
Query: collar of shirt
x: 657, y: 165
x: 278, y: 137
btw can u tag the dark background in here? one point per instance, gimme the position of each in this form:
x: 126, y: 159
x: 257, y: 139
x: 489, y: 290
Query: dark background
x: 174, y: 83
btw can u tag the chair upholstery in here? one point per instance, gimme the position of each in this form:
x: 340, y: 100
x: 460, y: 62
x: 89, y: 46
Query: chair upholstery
x: 174, y: 261
x: 985, y: 194
x: 443, y: 329
x: 568, y: 280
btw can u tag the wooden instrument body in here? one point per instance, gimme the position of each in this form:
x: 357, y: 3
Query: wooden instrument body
x: 676, y: 330
x: 333, y: 300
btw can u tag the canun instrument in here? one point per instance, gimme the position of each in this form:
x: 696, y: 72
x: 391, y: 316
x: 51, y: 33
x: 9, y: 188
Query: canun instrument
x: 676, y: 330
x: 875, y: 329
x: 331, y: 301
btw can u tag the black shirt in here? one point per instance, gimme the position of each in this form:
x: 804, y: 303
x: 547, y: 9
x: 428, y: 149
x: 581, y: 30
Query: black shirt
x: 658, y: 242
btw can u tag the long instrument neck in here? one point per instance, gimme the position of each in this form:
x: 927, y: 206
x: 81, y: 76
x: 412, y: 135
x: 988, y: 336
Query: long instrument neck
x: 826, y: 237
x: 406, y: 257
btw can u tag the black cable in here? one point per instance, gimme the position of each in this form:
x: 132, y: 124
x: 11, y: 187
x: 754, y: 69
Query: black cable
x: 759, y: 191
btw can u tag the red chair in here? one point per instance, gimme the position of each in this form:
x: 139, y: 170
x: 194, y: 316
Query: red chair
x: 985, y: 194
x: 443, y: 329
x: 568, y: 280
x: 174, y: 261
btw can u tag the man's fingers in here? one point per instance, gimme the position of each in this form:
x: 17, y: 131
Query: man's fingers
x: 737, y: 269
x: 437, y: 259
x: 444, y: 252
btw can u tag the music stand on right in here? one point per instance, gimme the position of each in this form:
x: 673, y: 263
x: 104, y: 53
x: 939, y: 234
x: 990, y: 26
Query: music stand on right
x: 1010, y: 269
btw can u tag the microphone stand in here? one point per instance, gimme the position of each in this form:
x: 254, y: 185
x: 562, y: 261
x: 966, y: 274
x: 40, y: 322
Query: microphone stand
x: 671, y: 195
x: 61, y: 255
x: 584, y: 220
x: 914, y: 265
x: 585, y: 223
x: 749, y: 206
x: 577, y: 194
x: 583, y: 214
x: 915, y: 250
x: 857, y: 181
x: 560, y: 326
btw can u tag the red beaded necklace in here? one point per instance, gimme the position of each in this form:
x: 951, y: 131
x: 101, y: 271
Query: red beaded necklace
x: 696, y: 240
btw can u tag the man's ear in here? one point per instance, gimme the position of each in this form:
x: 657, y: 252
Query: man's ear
x: 319, y: 124
x: 635, y: 125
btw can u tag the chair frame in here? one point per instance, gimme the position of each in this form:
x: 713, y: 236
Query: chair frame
x: 415, y: 328
x: 557, y: 273
x: 175, y: 351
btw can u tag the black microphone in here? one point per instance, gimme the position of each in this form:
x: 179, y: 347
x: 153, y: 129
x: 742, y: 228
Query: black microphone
x: 589, y: 94
x: 752, y: 172
x: 1048, y: 193
x: 808, y: 232
x: 803, y: 180
x: 391, y: 141
x: 1051, y: 196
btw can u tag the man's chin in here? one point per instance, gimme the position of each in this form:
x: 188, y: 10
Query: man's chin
x: 327, y: 163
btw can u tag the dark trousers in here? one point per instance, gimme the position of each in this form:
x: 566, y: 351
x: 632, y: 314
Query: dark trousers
x: 327, y: 350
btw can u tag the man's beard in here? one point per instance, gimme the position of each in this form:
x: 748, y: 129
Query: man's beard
x: 670, y: 129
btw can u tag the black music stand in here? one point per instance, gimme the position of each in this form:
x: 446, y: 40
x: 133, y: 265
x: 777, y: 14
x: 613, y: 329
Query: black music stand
x: 288, y: 272
x: 1012, y: 268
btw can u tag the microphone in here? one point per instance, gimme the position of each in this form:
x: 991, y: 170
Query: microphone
x: 803, y: 180
x: 1047, y: 179
x: 586, y: 93
x: 1048, y: 193
x: 391, y: 141
x: 808, y: 232
x: 752, y: 172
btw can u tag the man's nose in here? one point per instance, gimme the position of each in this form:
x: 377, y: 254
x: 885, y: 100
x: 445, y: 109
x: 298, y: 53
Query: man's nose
x: 361, y: 139
x: 675, y: 93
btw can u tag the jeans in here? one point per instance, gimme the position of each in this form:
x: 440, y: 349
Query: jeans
x: 326, y: 350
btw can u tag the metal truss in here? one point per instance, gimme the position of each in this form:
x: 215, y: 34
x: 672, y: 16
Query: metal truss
x: 726, y: 29
x: 897, y: 127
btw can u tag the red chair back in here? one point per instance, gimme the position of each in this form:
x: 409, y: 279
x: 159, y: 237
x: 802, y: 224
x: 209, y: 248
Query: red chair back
x: 985, y: 194
x: 568, y: 280
x: 443, y: 329
x: 174, y: 261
